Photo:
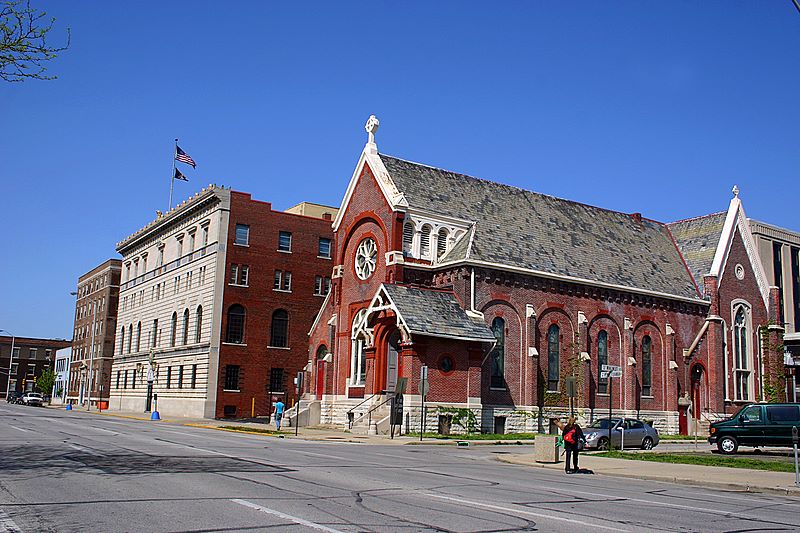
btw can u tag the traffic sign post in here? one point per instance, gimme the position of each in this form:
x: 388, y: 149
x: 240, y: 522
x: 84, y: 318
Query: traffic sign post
x: 610, y: 372
x: 796, y: 467
x: 423, y: 391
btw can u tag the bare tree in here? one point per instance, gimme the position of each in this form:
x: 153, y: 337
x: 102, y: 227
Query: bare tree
x: 23, y: 41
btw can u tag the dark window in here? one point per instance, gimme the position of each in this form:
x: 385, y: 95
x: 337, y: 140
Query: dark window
x: 498, y: 354
x: 280, y: 329
x: 285, y: 241
x: 777, y: 271
x: 783, y: 413
x: 796, y: 287
x: 244, y: 275
x: 276, y: 381
x: 324, y: 247
x: 169, y: 376
x: 231, y: 377
x: 236, y: 318
x: 234, y: 277
x: 133, y: 379
x: 119, y: 374
x: 154, y: 333
x: 180, y: 377
x: 138, y: 336
x: 198, y: 324
x: 553, y: 357
x: 186, y: 326
x: 602, y: 359
x: 130, y: 336
x: 408, y: 237
x: 322, y: 285
x: 194, y: 376
x: 125, y: 381
x: 121, y: 339
x: 242, y: 234
x: 278, y: 280
x: 173, y: 332
x: 446, y: 364
x: 647, y: 373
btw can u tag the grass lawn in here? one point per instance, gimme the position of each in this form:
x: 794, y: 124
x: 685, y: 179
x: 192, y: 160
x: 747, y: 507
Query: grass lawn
x: 477, y: 436
x: 248, y: 429
x: 704, y: 460
x: 684, y: 437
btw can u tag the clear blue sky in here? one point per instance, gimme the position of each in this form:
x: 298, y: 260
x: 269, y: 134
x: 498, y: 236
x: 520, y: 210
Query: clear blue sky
x: 657, y: 107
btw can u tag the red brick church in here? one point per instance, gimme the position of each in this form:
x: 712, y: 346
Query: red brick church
x: 511, y: 297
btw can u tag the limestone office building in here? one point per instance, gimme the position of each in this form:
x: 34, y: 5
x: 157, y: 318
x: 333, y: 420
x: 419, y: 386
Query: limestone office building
x: 216, y: 299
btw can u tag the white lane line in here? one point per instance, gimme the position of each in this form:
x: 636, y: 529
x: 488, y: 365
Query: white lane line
x: 19, y: 429
x: 295, y: 519
x: 7, y: 525
x: 325, y: 455
x: 523, y: 512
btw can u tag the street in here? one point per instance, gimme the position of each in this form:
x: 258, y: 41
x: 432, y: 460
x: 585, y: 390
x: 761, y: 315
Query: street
x: 75, y: 471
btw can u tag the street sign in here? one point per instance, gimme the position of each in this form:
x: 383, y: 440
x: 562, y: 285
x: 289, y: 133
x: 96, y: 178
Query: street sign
x: 424, y: 386
x: 610, y: 368
x: 612, y: 374
x: 604, y: 375
x: 571, y: 392
x: 616, y: 374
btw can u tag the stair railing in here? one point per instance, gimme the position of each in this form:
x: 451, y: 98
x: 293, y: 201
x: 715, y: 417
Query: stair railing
x: 351, y: 413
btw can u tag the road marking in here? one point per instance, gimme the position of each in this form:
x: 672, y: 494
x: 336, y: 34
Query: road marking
x: 285, y: 516
x: 7, y: 525
x: 19, y: 429
x: 529, y: 513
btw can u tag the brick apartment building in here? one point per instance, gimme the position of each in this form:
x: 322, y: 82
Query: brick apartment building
x: 506, y: 295
x: 216, y: 300
x: 31, y: 356
x: 96, y: 303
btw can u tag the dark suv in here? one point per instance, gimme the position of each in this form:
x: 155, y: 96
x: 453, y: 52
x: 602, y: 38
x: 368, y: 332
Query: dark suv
x: 756, y: 425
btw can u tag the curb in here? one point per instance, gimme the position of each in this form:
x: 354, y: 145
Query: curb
x: 741, y: 487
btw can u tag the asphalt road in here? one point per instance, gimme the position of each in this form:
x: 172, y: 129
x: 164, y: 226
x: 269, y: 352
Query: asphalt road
x: 73, y: 471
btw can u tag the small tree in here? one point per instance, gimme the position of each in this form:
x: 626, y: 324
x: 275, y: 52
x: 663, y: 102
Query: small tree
x: 45, y: 381
x: 23, y: 41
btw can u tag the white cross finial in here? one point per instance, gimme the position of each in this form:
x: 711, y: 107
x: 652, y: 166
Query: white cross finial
x: 372, y: 126
x: 735, y: 191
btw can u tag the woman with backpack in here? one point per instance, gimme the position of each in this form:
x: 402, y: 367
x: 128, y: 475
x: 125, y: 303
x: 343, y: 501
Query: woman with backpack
x: 572, y: 434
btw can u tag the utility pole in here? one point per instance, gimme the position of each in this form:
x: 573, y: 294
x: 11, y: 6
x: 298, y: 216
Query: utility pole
x: 10, y: 361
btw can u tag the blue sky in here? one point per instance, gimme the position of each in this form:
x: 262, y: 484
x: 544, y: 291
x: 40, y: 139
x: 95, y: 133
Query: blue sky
x: 652, y: 107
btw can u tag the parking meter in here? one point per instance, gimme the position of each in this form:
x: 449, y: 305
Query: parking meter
x: 794, y: 434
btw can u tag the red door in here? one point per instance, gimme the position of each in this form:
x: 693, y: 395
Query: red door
x: 320, y: 378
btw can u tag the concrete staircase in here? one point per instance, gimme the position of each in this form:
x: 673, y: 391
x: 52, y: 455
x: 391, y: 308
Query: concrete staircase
x: 304, y: 413
x: 374, y: 421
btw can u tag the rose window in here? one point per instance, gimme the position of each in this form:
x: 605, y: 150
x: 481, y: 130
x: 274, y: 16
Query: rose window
x: 366, y: 258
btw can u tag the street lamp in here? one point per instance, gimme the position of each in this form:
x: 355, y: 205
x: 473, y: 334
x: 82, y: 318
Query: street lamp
x: 10, y: 361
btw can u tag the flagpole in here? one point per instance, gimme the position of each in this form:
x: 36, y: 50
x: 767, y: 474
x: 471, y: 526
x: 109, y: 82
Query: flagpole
x: 172, y: 176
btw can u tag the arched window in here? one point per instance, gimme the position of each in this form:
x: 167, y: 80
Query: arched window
x: 741, y: 354
x: 138, y: 336
x: 553, y: 357
x: 602, y: 359
x: 185, y: 327
x: 498, y: 354
x: 280, y: 329
x: 235, y: 331
x: 198, y: 323
x: 130, y: 337
x: 173, y: 332
x: 647, y: 372
x: 121, y: 339
x: 358, y: 367
x: 441, y: 243
x: 408, y: 237
x: 425, y: 242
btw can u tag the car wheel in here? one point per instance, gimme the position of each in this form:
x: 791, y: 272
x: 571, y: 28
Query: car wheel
x: 647, y: 443
x: 602, y: 444
x: 727, y: 445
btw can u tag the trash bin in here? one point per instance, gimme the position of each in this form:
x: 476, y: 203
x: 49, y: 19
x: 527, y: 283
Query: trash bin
x: 545, y: 449
x: 103, y: 406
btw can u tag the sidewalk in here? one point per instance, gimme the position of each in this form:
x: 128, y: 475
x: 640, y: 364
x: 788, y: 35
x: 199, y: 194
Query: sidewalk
x: 707, y: 476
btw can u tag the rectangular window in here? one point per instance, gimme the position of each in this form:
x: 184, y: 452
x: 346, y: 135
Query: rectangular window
x: 180, y: 247
x: 180, y: 377
x: 15, y: 353
x: 125, y: 382
x: 276, y: 383
x: 285, y: 241
x: 324, y: 248
x: 796, y: 287
x: 243, y: 275
x: 322, y: 285
x: 204, y: 239
x: 783, y: 413
x: 14, y: 369
x: 777, y: 270
x: 191, y: 242
x: 232, y: 377
x: 31, y: 370
x: 287, y: 281
x: 194, y: 376
x: 278, y: 280
x: 119, y: 375
x: 234, y: 277
x: 133, y: 379
x: 169, y: 376
x: 318, y: 285
x: 242, y: 236
x: 154, y: 334
x: 34, y: 351
x: 49, y: 353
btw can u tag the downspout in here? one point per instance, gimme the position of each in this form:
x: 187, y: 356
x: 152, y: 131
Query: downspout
x: 472, y: 290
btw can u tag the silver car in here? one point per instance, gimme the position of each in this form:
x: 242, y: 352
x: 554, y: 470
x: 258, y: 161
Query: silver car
x: 637, y: 434
x: 33, y: 398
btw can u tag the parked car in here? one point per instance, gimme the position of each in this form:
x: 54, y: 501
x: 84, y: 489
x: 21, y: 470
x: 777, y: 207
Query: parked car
x: 637, y: 434
x: 14, y: 397
x: 756, y: 425
x: 33, y: 398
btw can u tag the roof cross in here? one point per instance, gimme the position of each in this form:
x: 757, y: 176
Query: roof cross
x: 735, y: 191
x: 372, y: 126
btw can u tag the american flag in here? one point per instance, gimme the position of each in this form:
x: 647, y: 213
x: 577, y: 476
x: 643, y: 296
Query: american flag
x: 183, y: 157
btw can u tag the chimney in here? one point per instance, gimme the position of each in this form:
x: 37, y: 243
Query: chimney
x: 327, y: 216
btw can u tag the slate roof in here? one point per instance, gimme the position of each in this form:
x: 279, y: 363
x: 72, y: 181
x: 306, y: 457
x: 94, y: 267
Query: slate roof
x: 537, y: 232
x: 697, y: 239
x: 436, y: 314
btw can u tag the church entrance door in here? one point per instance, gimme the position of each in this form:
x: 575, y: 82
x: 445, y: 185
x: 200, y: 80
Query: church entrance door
x: 392, y: 352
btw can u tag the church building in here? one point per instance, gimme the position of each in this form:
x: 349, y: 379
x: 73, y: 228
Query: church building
x: 521, y: 306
